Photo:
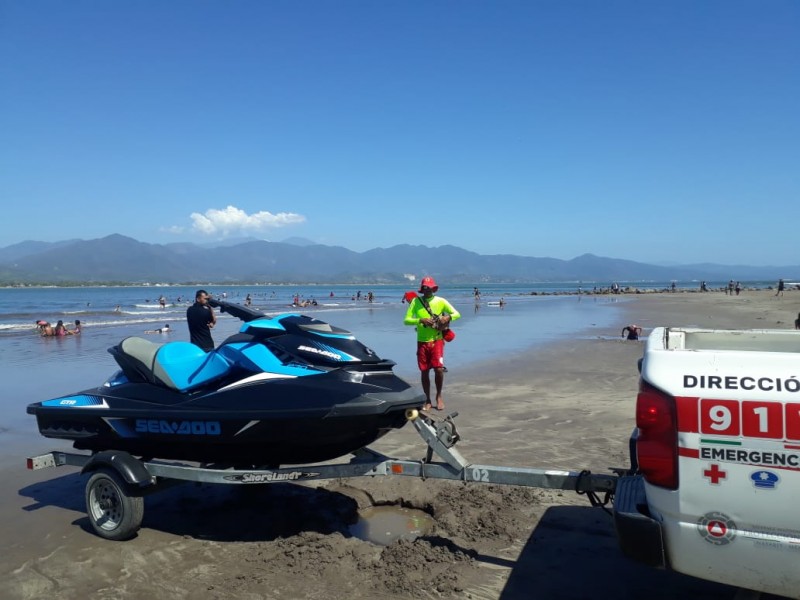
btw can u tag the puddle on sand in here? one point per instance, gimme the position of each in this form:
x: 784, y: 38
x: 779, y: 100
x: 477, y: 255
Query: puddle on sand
x: 385, y: 524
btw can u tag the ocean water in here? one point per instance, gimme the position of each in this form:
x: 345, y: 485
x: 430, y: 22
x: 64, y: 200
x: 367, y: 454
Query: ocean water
x: 119, y: 307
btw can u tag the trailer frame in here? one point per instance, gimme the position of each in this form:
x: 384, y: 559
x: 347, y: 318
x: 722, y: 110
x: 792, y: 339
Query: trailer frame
x: 119, y: 481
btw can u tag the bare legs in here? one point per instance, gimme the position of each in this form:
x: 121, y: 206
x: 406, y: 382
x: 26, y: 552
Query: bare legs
x: 438, y: 378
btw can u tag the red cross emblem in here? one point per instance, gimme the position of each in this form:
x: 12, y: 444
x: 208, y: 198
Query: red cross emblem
x: 715, y: 474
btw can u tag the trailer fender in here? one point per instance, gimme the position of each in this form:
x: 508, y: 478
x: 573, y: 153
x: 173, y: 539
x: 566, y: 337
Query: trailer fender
x: 131, y: 469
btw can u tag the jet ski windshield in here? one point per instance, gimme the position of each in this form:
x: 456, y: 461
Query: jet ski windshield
x: 294, y: 338
x: 316, y: 326
x: 319, y: 343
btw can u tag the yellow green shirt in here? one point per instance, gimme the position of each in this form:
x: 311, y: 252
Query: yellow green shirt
x: 416, y: 312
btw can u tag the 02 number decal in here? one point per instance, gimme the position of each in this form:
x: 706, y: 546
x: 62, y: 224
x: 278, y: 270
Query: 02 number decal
x: 480, y: 475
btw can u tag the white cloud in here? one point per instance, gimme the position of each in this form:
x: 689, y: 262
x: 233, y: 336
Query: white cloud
x: 175, y: 229
x: 234, y: 220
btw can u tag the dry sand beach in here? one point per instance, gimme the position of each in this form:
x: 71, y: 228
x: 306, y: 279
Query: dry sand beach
x: 570, y: 405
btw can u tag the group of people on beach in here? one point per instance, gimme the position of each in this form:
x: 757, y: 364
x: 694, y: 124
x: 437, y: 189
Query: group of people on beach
x: 47, y: 330
x: 733, y: 287
x: 299, y: 302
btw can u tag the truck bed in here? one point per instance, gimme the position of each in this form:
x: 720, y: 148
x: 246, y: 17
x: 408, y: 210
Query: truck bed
x: 747, y: 340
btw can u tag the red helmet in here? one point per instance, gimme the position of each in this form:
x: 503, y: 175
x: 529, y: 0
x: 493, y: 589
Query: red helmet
x: 428, y: 282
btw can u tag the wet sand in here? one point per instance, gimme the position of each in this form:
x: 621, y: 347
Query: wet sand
x: 568, y: 406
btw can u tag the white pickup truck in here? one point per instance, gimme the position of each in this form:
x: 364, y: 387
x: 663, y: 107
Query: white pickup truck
x: 717, y: 452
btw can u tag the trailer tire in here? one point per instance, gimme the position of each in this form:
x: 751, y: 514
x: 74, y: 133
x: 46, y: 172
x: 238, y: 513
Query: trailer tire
x: 113, y: 513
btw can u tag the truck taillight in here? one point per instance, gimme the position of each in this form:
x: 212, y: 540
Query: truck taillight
x: 657, y: 444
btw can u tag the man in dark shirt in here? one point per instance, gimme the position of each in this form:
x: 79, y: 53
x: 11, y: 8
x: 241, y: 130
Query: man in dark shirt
x: 200, y: 317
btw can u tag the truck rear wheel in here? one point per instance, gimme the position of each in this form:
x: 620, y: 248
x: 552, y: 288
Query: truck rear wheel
x: 113, y: 513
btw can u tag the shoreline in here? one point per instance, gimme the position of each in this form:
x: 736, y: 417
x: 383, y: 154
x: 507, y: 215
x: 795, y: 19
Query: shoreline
x: 566, y: 405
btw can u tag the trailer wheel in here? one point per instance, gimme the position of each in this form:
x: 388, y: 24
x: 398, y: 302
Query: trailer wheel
x: 113, y: 513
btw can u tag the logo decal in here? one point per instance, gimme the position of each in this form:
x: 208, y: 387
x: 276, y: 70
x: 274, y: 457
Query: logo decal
x: 765, y: 480
x: 81, y: 400
x: 178, y: 427
x: 327, y: 353
x: 716, y: 528
x: 269, y: 477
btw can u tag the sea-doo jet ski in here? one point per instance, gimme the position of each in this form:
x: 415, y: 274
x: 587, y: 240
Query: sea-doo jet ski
x: 289, y: 389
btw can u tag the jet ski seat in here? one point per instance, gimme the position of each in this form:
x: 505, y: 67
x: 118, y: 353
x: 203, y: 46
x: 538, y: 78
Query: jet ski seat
x: 179, y: 366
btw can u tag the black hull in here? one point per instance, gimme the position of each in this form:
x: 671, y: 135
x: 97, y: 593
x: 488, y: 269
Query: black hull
x: 309, y: 433
x: 284, y: 442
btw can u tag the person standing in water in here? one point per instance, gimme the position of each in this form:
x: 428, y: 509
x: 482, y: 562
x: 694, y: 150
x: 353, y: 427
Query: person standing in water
x: 634, y: 331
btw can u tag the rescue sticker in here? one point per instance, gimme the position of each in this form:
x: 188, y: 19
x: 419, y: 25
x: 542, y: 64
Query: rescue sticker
x: 715, y: 474
x: 716, y: 528
x: 765, y: 480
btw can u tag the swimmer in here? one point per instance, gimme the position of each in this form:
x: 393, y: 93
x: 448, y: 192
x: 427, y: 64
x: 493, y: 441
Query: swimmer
x: 634, y: 331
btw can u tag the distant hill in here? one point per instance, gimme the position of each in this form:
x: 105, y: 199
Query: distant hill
x: 117, y: 258
x: 17, y: 251
x: 229, y: 242
x: 298, y: 241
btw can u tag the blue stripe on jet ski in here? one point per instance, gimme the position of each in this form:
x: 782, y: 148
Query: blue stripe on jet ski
x: 284, y: 315
x: 264, y: 323
x: 75, y: 401
x: 338, y: 336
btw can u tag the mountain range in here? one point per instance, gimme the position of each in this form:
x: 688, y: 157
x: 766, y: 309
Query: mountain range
x: 120, y: 259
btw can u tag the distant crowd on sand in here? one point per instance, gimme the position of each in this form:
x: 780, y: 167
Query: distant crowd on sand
x: 47, y: 330
x: 733, y: 288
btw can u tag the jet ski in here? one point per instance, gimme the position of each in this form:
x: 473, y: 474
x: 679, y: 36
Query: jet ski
x: 288, y: 389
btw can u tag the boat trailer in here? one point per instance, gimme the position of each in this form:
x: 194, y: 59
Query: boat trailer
x: 119, y: 481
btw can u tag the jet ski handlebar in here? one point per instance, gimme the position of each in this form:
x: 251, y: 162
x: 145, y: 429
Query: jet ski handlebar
x: 245, y: 313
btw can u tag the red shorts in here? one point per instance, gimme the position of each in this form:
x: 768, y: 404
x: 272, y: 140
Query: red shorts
x: 430, y: 355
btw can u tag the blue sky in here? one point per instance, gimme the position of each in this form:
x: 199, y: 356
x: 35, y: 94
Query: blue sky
x: 664, y: 132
